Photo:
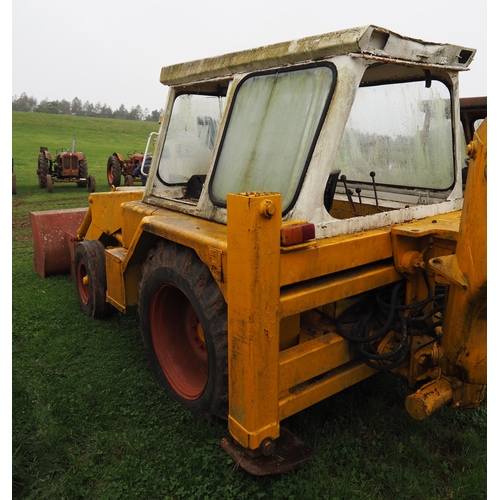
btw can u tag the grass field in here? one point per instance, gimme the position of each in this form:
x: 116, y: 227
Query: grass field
x: 89, y: 422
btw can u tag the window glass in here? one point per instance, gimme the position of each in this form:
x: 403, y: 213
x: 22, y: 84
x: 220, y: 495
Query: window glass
x: 477, y: 123
x: 272, y: 128
x: 403, y: 133
x: 190, y: 138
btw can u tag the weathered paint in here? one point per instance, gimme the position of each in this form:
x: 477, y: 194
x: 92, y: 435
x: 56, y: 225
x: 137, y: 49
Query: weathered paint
x: 464, y: 335
x: 363, y: 40
x: 53, y: 231
x: 253, y: 320
x: 284, y: 350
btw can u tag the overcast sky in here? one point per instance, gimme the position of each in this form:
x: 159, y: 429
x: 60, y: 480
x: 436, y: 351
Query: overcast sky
x: 112, y: 51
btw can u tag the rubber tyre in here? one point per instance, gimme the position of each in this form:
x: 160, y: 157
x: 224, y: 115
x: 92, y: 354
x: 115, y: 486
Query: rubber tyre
x: 49, y: 183
x: 114, y: 171
x: 90, y: 278
x: 83, y: 172
x: 129, y: 180
x: 43, y: 170
x: 183, y: 319
x: 91, y: 184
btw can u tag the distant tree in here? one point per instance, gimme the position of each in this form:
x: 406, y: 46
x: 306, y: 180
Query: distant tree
x: 121, y: 113
x: 45, y: 106
x: 65, y: 107
x: 76, y: 107
x: 135, y: 113
x: 30, y: 104
x: 106, y: 111
x: 24, y: 103
x: 154, y: 116
x: 88, y: 109
x: 97, y: 109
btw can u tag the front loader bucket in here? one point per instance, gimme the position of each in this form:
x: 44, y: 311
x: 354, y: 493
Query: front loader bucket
x: 54, y: 233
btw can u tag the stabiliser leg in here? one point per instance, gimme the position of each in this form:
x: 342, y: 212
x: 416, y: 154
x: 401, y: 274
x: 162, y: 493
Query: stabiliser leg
x: 257, y: 444
x: 288, y: 453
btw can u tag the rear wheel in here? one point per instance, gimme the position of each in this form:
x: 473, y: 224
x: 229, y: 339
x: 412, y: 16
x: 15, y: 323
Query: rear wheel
x: 43, y: 170
x: 184, y: 327
x: 114, y: 171
x: 90, y: 278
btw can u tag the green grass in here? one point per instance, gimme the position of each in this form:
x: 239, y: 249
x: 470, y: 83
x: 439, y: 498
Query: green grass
x: 97, y: 138
x: 89, y: 422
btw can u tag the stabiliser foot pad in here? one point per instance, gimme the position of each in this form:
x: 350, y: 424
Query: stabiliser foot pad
x: 290, y: 453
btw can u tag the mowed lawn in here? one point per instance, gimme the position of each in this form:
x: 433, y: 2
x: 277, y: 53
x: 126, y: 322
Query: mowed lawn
x: 89, y: 422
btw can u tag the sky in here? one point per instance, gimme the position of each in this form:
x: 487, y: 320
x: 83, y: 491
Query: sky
x: 112, y: 51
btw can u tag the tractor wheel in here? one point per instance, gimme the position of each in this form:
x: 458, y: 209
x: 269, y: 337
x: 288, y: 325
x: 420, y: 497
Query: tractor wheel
x: 114, y: 171
x: 184, y: 328
x: 91, y: 184
x: 90, y: 278
x: 129, y: 180
x: 48, y: 183
x: 43, y: 170
x: 83, y: 172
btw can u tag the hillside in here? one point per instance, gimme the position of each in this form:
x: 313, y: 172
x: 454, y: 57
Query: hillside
x: 97, y: 138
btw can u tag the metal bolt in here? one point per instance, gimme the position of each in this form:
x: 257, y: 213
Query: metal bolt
x: 267, y: 447
x: 422, y: 359
x: 267, y: 209
x: 471, y: 149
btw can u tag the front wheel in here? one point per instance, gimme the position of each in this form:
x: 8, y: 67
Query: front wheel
x: 90, y: 278
x: 83, y: 172
x: 91, y: 184
x: 184, y: 327
x: 114, y: 171
x: 42, y: 171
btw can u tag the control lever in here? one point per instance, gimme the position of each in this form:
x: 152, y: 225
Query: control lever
x: 358, y: 191
x: 372, y: 175
x: 348, y: 191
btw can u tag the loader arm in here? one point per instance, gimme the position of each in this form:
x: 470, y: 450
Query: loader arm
x: 464, y: 326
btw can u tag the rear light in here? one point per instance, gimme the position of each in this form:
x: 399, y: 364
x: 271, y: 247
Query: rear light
x: 297, y: 233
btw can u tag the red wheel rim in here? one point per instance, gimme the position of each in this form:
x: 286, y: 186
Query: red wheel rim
x: 82, y: 280
x: 179, y: 342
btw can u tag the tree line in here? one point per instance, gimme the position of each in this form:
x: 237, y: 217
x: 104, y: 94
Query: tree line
x: 77, y: 108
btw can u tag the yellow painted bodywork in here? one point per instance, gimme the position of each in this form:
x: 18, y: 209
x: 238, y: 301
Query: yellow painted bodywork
x: 283, y: 356
x: 465, y: 341
x: 462, y: 360
x: 253, y: 318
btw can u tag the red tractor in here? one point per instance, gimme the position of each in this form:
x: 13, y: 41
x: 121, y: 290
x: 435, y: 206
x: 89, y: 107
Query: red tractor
x: 118, y: 167
x: 68, y: 166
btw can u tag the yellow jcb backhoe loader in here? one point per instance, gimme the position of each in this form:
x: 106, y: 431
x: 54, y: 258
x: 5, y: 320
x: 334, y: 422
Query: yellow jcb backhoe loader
x: 304, y: 226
